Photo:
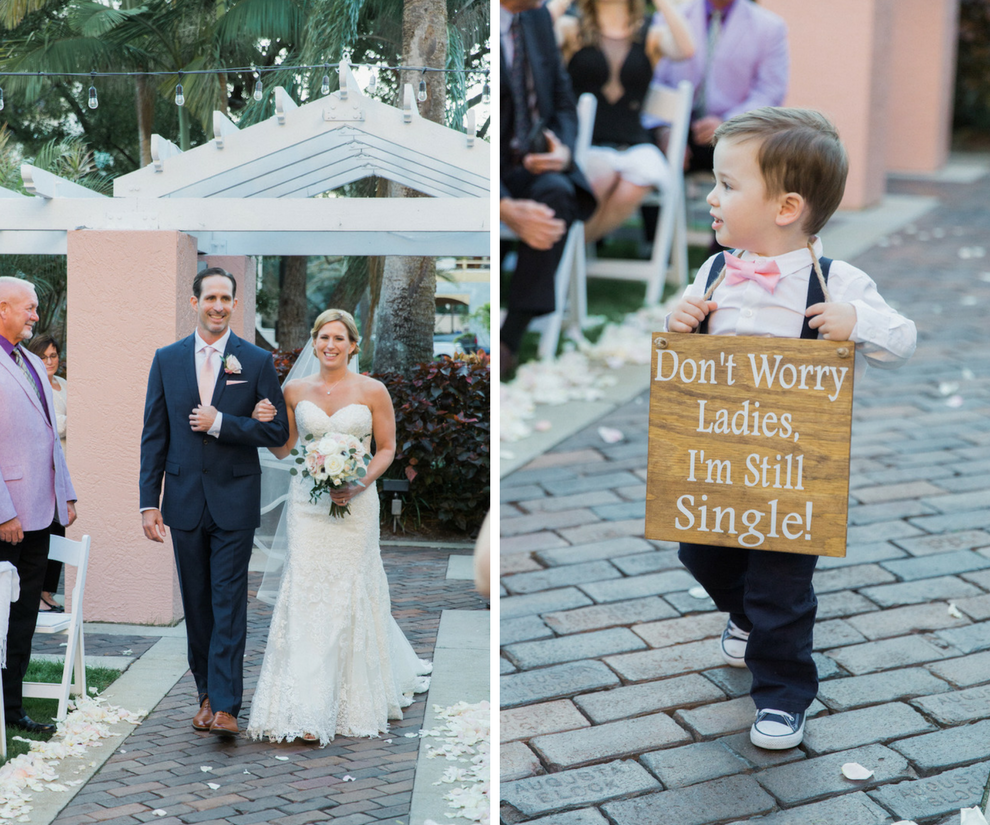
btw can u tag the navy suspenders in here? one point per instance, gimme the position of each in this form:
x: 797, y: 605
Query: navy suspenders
x: 815, y: 294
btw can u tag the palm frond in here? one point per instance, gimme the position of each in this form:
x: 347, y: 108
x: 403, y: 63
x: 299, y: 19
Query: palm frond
x: 248, y: 20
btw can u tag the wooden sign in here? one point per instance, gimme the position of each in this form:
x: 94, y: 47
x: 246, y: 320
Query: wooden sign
x: 749, y: 442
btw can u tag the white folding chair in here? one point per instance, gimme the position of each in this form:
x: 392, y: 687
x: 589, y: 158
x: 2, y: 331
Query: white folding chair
x: 9, y: 592
x: 670, y: 241
x: 76, y: 554
x: 570, y: 280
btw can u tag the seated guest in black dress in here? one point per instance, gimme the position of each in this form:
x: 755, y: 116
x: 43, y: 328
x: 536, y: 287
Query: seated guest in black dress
x: 611, y: 50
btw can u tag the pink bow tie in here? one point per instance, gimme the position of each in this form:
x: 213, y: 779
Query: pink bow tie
x: 765, y: 273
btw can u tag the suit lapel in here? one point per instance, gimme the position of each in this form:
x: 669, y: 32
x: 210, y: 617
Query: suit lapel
x: 233, y: 346
x: 188, y: 357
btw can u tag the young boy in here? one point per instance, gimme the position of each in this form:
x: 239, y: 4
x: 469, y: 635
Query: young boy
x: 780, y: 174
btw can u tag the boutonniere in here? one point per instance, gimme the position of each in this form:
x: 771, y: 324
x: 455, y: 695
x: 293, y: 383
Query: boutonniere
x: 231, y: 365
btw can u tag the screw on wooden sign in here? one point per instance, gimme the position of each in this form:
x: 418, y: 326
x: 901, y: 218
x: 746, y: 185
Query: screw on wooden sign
x: 749, y: 442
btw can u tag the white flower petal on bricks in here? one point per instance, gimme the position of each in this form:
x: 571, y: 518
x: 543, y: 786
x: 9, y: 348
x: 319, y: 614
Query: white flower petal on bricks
x: 972, y: 816
x: 855, y: 771
x: 610, y: 435
x: 954, y: 611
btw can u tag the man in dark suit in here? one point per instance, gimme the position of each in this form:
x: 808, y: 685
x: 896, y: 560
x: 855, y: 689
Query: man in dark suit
x: 199, y: 433
x: 35, y: 489
x: 541, y: 191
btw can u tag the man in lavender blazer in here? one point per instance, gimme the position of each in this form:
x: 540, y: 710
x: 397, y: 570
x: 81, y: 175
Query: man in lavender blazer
x: 35, y: 488
x: 750, y: 67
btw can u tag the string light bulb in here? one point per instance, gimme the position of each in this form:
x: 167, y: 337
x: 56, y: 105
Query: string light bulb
x: 325, y: 88
x: 486, y: 92
x: 94, y: 101
x: 373, y: 83
x: 259, y: 90
x: 1, y: 99
x: 421, y: 94
x: 180, y: 98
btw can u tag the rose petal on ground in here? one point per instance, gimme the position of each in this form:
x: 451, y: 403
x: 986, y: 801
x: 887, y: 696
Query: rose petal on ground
x: 853, y: 770
x: 542, y: 425
x: 213, y: 786
x: 282, y: 758
x: 205, y: 768
x: 159, y: 812
x: 610, y: 435
x: 955, y: 401
x: 698, y: 593
x: 971, y: 816
x: 954, y: 611
x: 348, y: 778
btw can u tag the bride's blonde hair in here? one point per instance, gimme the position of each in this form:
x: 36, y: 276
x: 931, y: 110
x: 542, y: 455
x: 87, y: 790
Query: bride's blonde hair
x: 342, y: 315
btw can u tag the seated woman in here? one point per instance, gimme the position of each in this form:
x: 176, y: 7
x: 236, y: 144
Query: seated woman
x: 46, y: 348
x: 610, y: 51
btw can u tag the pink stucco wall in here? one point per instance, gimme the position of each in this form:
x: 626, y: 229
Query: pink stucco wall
x: 837, y: 66
x: 883, y: 71
x: 129, y: 294
x: 923, y: 36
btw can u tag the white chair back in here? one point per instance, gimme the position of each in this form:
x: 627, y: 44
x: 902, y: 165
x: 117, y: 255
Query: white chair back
x: 587, y: 106
x: 75, y: 554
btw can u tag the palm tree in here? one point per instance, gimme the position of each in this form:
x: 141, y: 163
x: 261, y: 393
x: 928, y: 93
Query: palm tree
x: 174, y: 36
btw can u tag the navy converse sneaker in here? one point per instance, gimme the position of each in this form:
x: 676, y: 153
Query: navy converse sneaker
x: 776, y: 730
x: 733, y: 645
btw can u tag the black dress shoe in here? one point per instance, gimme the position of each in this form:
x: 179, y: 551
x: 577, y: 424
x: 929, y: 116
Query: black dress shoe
x: 28, y: 724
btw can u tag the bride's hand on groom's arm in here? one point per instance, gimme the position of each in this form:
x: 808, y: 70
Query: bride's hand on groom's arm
x: 264, y: 410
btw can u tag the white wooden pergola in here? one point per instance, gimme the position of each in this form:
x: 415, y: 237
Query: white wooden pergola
x: 267, y: 189
x: 254, y: 191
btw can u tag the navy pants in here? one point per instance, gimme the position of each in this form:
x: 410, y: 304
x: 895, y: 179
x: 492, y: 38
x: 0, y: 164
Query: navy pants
x: 531, y: 289
x: 770, y: 594
x: 213, y: 577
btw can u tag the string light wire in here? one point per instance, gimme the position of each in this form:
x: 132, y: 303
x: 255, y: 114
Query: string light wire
x: 257, y: 72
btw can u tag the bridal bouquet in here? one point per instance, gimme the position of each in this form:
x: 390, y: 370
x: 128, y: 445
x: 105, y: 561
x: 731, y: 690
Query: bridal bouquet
x: 334, y: 460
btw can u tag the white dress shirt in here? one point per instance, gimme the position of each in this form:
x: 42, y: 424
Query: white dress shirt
x: 885, y: 337
x: 217, y: 356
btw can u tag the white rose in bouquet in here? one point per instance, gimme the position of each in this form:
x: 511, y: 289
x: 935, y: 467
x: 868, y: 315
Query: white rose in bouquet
x: 334, y: 465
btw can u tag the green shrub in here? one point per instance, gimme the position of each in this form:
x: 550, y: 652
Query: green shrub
x: 443, y: 438
x: 972, y: 104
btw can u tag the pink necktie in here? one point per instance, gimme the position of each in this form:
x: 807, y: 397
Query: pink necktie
x: 206, y: 377
x: 765, y: 273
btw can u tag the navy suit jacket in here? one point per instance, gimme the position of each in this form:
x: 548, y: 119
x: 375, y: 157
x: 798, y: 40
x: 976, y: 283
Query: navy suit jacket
x: 554, y: 99
x: 223, y: 474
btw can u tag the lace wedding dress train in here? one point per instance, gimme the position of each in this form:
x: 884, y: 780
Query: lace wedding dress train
x: 336, y: 661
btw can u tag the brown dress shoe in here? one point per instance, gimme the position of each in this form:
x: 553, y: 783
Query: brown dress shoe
x: 224, y: 724
x: 204, y: 716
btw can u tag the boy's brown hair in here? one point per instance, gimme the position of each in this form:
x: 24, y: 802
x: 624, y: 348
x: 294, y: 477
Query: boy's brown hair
x: 800, y: 151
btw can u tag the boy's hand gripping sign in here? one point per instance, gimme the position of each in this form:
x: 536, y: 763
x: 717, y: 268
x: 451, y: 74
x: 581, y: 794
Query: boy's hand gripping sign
x: 749, y: 442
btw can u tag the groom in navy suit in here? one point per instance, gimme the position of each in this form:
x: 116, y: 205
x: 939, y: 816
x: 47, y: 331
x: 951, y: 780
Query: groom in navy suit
x: 199, y: 434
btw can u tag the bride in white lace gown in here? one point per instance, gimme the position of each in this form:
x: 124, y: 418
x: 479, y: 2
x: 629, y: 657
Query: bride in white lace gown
x: 336, y: 661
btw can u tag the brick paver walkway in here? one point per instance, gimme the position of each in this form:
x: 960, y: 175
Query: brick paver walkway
x: 616, y: 707
x: 159, y: 765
